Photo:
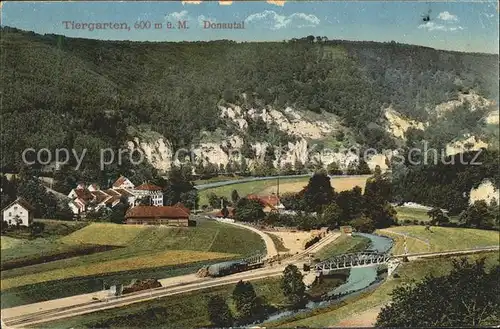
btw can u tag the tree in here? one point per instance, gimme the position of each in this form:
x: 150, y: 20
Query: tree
x: 334, y: 169
x: 363, y: 224
x: 299, y: 167
x: 478, y: 215
x: 292, y: 201
x: 249, y: 210
x: 218, y: 312
x: 225, y: 212
x: 247, y: 304
x: 468, y: 296
x: 293, y: 286
x: 119, y: 210
x: 145, y: 201
x: 215, y: 201
x: 437, y: 216
x: 179, y: 187
x: 318, y: 192
x: 363, y: 168
x: 37, y: 228
x: 5, y: 226
x: 331, y: 215
x: 235, y: 197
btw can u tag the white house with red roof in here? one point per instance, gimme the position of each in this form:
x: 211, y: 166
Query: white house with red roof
x: 92, y: 198
x: 123, y: 183
x: 152, y: 191
x: 19, y: 212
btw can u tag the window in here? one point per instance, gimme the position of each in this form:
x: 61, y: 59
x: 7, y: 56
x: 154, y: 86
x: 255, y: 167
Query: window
x: 15, y: 207
x: 10, y: 214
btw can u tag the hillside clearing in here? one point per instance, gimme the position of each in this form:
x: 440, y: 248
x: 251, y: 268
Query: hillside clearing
x: 338, y: 183
x: 104, y: 234
x: 133, y: 263
x: 8, y: 242
x: 255, y: 187
x: 438, y: 238
x: 287, y: 185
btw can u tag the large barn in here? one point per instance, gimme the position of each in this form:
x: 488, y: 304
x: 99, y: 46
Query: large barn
x: 159, y: 215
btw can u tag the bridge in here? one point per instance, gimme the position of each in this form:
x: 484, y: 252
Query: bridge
x: 352, y: 260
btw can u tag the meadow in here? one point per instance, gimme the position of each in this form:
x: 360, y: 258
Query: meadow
x: 287, y: 185
x: 438, y: 238
x: 135, y: 252
x: 187, y: 310
x: 342, y: 245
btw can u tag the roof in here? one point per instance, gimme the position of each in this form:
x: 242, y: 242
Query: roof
x: 124, y: 192
x: 183, y: 207
x: 112, y: 192
x: 148, y: 187
x: 270, y: 200
x: 120, y: 181
x: 23, y: 203
x: 113, y: 199
x: 85, y: 195
x: 100, y: 196
x: 156, y: 212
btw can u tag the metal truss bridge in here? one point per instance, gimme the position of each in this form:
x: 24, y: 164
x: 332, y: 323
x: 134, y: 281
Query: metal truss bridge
x: 360, y: 259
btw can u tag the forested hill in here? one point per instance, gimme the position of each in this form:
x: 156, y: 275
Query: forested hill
x: 68, y: 92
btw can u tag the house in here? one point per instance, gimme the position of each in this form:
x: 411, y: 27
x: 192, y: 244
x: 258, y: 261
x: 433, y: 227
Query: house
x: 270, y: 202
x: 152, y: 191
x: 123, y: 183
x: 159, y: 215
x: 19, y: 212
x: 230, y: 210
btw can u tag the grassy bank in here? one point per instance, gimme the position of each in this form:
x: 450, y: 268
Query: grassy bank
x: 145, y: 252
x: 415, y: 270
x: 438, y: 238
x: 181, y: 311
x: 343, y: 245
x: 278, y: 242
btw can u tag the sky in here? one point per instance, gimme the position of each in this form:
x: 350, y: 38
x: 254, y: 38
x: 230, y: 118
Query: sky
x: 457, y: 25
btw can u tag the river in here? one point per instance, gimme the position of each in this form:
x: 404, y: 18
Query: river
x: 359, y: 279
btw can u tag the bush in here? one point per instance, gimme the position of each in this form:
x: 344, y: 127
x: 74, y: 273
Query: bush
x: 311, y: 242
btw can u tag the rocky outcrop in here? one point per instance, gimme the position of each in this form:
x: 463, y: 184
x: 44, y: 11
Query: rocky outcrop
x: 157, y: 152
x: 397, y: 125
x: 467, y: 143
x: 472, y: 98
x: 486, y: 191
x: 289, y: 121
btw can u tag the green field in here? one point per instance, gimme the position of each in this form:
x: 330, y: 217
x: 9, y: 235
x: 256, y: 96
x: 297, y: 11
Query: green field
x: 439, y: 238
x: 406, y: 213
x: 182, y: 311
x: 244, y: 189
x: 342, y: 245
x: 206, y: 243
x: 415, y: 270
x: 53, y: 229
x: 8, y: 242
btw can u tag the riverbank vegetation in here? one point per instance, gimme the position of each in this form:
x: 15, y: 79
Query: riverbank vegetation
x: 407, y: 272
